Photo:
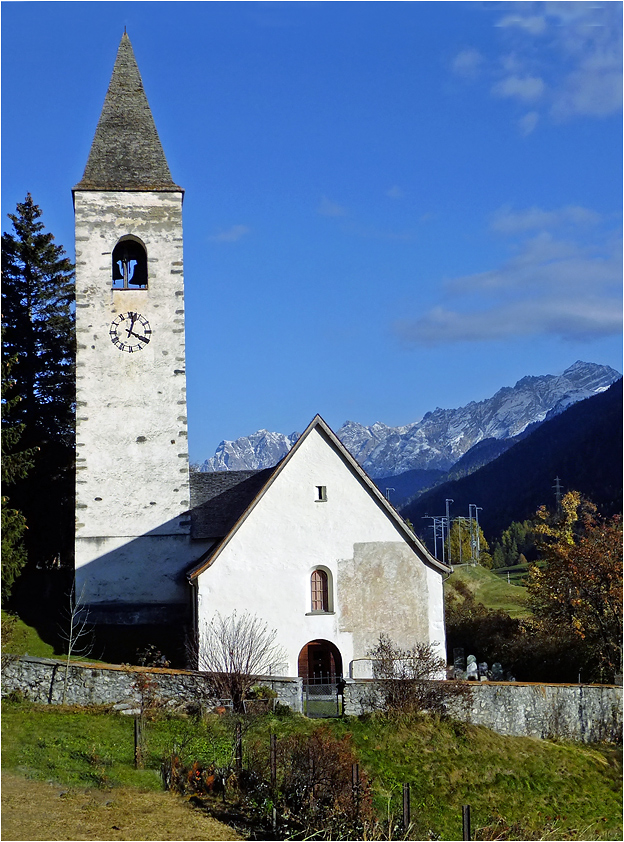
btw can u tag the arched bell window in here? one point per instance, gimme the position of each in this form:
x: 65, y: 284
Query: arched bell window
x: 320, y: 592
x: 129, y: 265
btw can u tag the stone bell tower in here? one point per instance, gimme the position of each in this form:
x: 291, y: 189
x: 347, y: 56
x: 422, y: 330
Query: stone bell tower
x: 132, y: 478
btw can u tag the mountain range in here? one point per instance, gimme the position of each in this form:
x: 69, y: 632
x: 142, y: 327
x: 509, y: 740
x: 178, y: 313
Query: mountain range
x: 444, y: 439
x: 581, y: 446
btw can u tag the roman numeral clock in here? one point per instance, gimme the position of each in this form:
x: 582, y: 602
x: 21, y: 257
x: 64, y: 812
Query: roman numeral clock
x: 130, y: 332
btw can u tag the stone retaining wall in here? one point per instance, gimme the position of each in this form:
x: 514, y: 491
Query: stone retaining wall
x: 583, y: 712
x: 42, y: 680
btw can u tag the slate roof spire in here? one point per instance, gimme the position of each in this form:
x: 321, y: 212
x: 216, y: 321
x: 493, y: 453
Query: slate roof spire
x: 126, y: 153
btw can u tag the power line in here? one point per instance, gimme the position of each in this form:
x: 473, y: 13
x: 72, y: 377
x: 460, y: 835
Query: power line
x: 557, y: 490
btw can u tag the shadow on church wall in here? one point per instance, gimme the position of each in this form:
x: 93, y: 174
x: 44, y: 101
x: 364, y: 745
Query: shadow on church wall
x: 137, y: 593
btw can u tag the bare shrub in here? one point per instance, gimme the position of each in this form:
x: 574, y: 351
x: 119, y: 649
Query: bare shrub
x: 317, y: 789
x: 234, y: 650
x: 151, y: 656
x: 75, y: 631
x: 409, y: 680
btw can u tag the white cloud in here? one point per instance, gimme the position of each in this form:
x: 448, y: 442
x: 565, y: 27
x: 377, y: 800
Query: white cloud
x: 571, y: 320
x: 528, y: 123
x: 594, y: 90
x: 528, y: 88
x: 230, y: 235
x: 507, y: 221
x: 568, y: 288
x: 544, y: 264
x: 533, y: 24
x: 329, y: 208
x: 467, y: 63
x: 394, y: 192
x: 564, y: 58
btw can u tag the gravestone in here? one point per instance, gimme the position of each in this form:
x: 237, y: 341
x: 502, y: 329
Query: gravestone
x: 472, y: 671
x: 459, y: 663
x: 497, y: 672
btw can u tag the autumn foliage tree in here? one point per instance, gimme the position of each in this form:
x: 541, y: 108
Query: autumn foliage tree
x: 469, y: 544
x: 577, y: 593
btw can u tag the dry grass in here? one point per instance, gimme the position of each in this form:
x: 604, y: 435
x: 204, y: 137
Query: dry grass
x: 34, y: 810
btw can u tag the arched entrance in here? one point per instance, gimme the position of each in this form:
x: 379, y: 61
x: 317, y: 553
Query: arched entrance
x: 320, y: 667
x: 320, y: 662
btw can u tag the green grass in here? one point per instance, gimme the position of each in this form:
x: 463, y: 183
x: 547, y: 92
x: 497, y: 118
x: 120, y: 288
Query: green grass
x: 528, y: 786
x: 519, y: 788
x: 20, y: 639
x: 517, y: 574
x: 491, y: 590
x: 75, y: 749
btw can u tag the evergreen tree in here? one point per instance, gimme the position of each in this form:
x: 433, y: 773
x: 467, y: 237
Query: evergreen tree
x: 38, y: 401
x: 15, y: 465
x: 498, y: 557
x: 516, y: 542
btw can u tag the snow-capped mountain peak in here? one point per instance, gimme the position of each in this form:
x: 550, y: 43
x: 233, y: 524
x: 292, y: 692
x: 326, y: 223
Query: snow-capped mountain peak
x: 440, y: 437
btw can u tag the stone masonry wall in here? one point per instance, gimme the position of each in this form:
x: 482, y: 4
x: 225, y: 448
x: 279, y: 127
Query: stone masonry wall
x: 582, y: 712
x: 41, y: 680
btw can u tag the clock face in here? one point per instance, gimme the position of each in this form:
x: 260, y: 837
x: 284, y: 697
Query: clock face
x: 130, y: 332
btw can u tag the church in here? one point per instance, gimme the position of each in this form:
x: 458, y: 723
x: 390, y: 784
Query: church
x: 310, y: 547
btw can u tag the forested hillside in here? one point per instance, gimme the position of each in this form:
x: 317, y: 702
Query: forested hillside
x: 582, y: 446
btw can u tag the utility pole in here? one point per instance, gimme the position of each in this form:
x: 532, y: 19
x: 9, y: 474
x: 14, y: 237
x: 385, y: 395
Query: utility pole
x: 434, y: 526
x: 439, y: 531
x: 477, y: 510
x: 557, y: 490
x: 475, y: 541
x: 388, y: 490
x: 460, y: 522
x: 448, y: 529
x: 472, y: 537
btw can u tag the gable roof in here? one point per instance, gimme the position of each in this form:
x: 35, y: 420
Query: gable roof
x: 126, y: 153
x: 269, y: 476
x: 219, y: 498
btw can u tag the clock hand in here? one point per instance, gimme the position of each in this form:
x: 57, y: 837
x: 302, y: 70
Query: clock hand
x: 133, y: 320
x: 142, y: 338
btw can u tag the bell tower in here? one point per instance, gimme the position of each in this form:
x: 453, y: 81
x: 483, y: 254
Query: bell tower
x: 132, y: 477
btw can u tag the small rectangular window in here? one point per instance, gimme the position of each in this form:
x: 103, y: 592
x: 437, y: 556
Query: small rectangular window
x: 321, y: 493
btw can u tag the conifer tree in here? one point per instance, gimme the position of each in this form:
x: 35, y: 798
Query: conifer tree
x: 38, y: 398
x: 15, y: 465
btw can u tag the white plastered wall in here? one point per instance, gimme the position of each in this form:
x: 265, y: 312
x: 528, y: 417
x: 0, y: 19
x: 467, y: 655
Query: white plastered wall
x: 380, y: 583
x: 132, y: 484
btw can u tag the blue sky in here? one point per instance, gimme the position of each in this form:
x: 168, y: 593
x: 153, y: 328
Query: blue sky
x: 389, y: 206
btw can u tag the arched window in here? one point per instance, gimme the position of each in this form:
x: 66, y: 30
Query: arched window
x: 320, y: 591
x: 129, y: 265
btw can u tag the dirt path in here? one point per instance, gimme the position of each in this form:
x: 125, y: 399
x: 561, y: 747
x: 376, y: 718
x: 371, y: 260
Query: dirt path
x: 33, y: 810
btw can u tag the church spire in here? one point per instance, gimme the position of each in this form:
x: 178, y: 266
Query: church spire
x: 126, y: 153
